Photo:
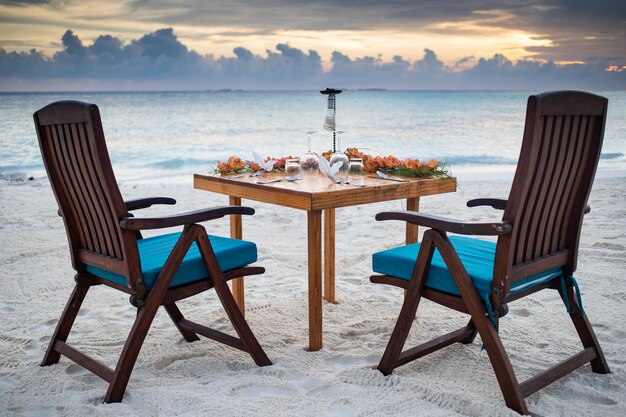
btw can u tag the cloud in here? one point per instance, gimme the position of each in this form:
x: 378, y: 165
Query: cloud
x: 22, y: 2
x: 578, y: 29
x: 158, y: 60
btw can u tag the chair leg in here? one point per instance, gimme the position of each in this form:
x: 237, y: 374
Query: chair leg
x: 131, y: 349
x: 495, y: 350
x: 177, y: 316
x: 412, y: 298
x: 228, y: 302
x: 587, y: 335
x: 145, y: 316
x: 470, y: 337
x: 501, y: 364
x: 65, y: 323
x: 400, y: 333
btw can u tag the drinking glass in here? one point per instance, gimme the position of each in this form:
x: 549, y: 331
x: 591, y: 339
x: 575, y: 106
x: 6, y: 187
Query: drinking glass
x: 292, y: 168
x: 309, y: 162
x: 343, y: 173
x: 357, y: 171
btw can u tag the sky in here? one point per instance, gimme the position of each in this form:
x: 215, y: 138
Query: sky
x: 296, y: 44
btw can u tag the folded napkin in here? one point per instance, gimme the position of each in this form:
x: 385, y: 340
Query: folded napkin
x: 265, y: 166
x: 327, y: 169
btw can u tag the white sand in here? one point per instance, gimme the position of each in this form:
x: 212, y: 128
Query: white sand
x: 172, y: 377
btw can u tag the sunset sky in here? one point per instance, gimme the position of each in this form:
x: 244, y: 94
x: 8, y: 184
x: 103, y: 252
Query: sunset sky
x: 572, y: 35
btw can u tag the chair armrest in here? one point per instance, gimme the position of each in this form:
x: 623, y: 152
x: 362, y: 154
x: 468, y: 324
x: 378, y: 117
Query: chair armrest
x: 496, y: 203
x: 141, y: 203
x: 448, y: 225
x: 181, y: 219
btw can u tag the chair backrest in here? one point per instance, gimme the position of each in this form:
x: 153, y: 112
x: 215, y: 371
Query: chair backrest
x: 75, y: 155
x: 558, y: 160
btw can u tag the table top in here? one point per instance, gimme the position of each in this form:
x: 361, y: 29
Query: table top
x: 319, y: 193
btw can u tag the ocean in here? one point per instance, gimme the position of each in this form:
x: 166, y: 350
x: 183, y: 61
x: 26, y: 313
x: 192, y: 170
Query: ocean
x: 169, y: 135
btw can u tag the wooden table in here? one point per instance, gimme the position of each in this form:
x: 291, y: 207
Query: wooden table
x: 318, y: 195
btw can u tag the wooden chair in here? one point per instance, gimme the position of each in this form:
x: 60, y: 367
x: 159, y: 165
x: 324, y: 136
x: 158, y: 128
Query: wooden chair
x: 106, y: 246
x: 536, y: 249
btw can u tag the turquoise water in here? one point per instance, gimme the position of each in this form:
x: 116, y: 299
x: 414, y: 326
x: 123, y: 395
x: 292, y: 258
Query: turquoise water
x: 166, y: 134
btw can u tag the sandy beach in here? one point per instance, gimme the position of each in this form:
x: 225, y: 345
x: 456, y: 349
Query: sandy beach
x: 173, y: 377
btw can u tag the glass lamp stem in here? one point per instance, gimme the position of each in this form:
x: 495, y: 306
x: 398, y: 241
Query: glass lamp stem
x: 334, y: 118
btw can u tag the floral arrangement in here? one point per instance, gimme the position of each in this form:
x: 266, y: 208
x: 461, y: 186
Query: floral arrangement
x: 389, y: 164
x: 236, y: 165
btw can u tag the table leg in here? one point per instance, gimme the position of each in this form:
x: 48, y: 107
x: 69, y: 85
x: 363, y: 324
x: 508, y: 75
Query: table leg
x: 329, y: 255
x: 314, y: 231
x: 236, y: 232
x: 412, y: 204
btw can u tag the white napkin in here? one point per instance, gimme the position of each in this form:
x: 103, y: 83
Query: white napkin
x: 265, y: 166
x: 327, y: 169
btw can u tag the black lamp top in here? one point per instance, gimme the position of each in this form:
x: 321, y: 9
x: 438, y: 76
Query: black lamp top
x: 330, y: 91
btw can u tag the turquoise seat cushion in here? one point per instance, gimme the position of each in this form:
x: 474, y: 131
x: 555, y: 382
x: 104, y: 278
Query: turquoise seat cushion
x: 153, y: 252
x: 477, y: 256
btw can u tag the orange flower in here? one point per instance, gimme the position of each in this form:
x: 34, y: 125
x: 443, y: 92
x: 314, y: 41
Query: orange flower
x: 223, y: 167
x: 391, y: 161
x: 409, y: 163
x: 254, y: 166
x: 370, y: 164
x: 355, y: 153
x: 236, y: 163
x: 430, y: 165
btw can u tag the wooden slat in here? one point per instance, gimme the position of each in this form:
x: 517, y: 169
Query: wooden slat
x: 532, y: 213
x: 212, y: 334
x: 67, y: 113
x: 329, y: 255
x: 71, y: 196
x: 251, y: 191
x: 548, y: 376
x: 566, y: 182
x: 540, y: 264
x: 85, y: 361
x: 546, y: 196
x: 117, y: 266
x: 581, y: 176
x: 527, y: 201
x: 412, y: 230
x: 180, y: 293
x: 564, y: 165
x: 433, y: 345
x: 67, y: 208
x: 573, y: 180
x: 320, y: 193
x: 236, y: 232
x: 383, y: 192
x: 314, y: 231
x: 85, y: 188
x: 114, y: 237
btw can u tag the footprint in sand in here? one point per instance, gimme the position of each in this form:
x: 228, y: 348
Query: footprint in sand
x: 336, y: 390
x: 168, y: 360
x: 340, y: 409
x: 608, y: 245
x: 255, y: 390
x: 620, y: 334
x: 355, y: 361
x: 37, y: 411
x: 74, y: 369
x: 5, y: 308
x: 519, y: 312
